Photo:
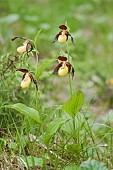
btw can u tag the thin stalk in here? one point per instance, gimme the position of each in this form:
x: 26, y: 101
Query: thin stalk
x: 68, y: 50
x: 70, y: 85
x: 69, y: 78
x: 36, y: 54
x: 91, y: 135
x: 37, y: 97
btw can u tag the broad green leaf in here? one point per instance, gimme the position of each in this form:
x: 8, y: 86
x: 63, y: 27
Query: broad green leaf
x: 53, y: 128
x: 93, y: 165
x: 27, y: 111
x: 32, y: 161
x: 44, y: 65
x: 74, y: 104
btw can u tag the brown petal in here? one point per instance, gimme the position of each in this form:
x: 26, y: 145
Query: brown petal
x: 72, y: 73
x: 57, y: 68
x: 56, y: 37
x: 23, y: 70
x: 35, y: 82
x: 31, y: 77
x: 72, y: 39
x: 62, y: 58
x: 23, y: 76
x: 69, y: 66
x: 18, y: 37
x: 29, y: 47
x: 63, y: 27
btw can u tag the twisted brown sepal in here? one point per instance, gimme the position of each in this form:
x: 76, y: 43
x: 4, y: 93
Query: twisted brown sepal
x: 56, y: 37
x: 72, y: 73
x: 62, y: 58
x: 57, y: 68
x: 69, y: 66
x: 23, y: 70
x: 23, y: 38
x: 63, y: 27
x: 27, y: 48
x: 72, y: 39
x: 35, y: 82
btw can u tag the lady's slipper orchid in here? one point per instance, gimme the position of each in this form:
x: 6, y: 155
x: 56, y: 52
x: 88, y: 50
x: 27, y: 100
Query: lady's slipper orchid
x: 26, y: 47
x: 62, y: 36
x: 64, y: 67
x: 27, y: 79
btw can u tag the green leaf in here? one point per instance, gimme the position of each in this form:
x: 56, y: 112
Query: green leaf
x: 63, y: 53
x: 44, y: 65
x: 13, y: 145
x: 74, y: 148
x: 53, y: 128
x: 72, y: 167
x: 32, y: 161
x: 27, y: 111
x: 37, y: 35
x: 74, y: 104
x: 68, y: 28
x: 93, y: 165
x: 2, y: 144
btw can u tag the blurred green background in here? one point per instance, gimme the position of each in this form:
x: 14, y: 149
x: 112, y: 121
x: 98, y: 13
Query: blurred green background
x: 91, y: 25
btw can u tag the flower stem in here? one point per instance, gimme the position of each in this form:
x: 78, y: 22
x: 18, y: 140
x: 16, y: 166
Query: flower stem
x: 68, y: 50
x: 70, y: 85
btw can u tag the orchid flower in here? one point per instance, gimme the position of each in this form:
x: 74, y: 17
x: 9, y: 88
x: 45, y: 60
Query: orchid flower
x: 27, y: 78
x: 64, y: 67
x: 62, y: 36
x: 26, y: 47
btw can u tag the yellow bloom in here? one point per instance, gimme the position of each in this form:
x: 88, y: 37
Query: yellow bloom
x: 64, y: 67
x: 26, y: 81
x: 22, y: 49
x: 62, y: 36
x: 27, y: 78
x: 63, y: 70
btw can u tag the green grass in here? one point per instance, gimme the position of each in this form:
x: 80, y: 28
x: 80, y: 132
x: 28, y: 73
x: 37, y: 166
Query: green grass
x: 51, y: 129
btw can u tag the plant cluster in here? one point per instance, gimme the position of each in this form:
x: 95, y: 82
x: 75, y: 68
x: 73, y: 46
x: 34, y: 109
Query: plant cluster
x: 59, y: 137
